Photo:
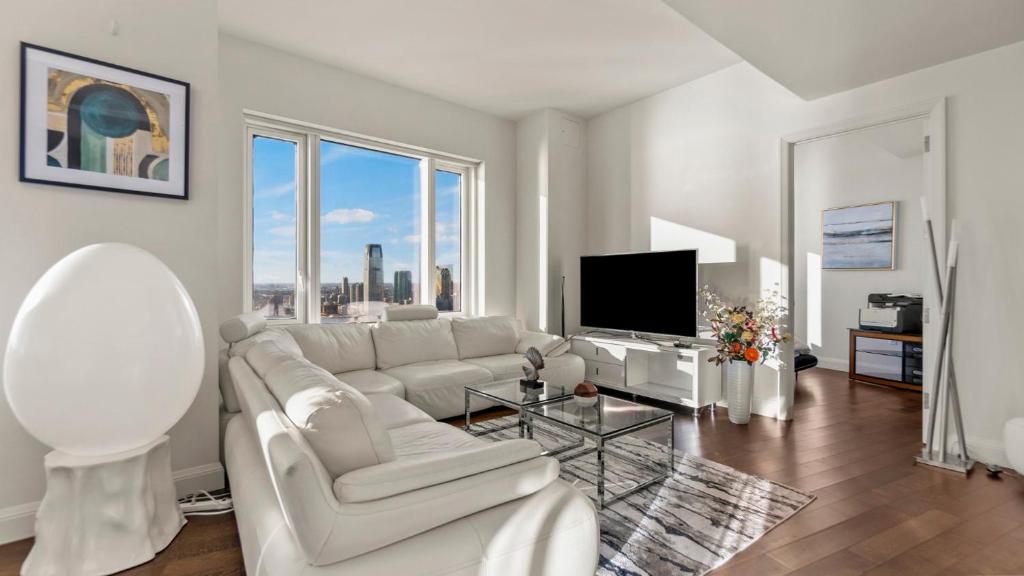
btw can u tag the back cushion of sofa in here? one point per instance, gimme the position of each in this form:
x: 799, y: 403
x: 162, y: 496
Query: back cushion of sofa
x: 282, y: 337
x: 408, y: 342
x: 338, y: 422
x: 336, y: 347
x: 485, y: 336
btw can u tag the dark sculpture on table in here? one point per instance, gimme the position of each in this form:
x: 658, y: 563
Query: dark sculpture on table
x: 532, y: 371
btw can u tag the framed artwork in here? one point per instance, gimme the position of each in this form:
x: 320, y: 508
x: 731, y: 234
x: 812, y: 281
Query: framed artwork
x: 859, y: 237
x: 89, y: 124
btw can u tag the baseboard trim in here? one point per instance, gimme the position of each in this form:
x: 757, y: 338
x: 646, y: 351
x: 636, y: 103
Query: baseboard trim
x: 840, y: 364
x: 981, y: 450
x: 18, y: 522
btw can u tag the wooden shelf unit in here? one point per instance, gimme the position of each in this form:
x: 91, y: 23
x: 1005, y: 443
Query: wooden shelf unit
x: 887, y: 348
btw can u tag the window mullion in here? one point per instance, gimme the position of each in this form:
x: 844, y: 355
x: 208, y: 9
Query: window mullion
x: 312, y: 219
x: 427, y: 255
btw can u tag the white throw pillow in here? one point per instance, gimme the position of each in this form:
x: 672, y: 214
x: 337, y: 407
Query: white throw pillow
x: 338, y: 422
x: 485, y: 336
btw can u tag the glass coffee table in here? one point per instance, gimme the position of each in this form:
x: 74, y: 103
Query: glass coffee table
x: 512, y: 394
x: 602, y: 420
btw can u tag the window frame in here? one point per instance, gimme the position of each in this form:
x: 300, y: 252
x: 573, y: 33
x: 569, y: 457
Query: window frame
x: 307, y: 220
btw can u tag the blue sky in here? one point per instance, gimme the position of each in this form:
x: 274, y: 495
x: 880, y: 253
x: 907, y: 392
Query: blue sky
x: 366, y: 197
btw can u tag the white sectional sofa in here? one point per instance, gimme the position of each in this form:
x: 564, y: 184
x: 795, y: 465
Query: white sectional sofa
x: 412, y: 354
x: 331, y: 478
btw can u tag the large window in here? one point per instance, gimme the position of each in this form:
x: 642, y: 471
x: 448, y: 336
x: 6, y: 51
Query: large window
x: 343, y: 226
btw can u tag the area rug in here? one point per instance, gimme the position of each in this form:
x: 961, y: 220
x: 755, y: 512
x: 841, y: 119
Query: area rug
x: 698, y: 519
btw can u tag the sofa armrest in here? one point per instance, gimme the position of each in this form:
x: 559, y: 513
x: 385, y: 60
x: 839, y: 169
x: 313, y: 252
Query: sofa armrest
x: 548, y: 345
x: 418, y: 472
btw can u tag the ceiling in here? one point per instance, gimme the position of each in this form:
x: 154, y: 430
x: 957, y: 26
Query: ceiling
x: 820, y: 47
x: 505, y: 57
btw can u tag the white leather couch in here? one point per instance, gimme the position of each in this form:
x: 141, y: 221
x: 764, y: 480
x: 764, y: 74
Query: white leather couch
x: 329, y: 480
x: 412, y: 354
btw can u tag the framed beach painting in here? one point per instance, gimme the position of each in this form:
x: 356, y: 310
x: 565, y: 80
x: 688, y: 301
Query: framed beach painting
x: 859, y: 237
x: 90, y: 124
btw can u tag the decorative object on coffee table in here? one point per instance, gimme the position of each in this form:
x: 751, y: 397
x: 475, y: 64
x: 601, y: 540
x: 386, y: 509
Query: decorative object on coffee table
x: 585, y: 394
x: 532, y: 370
x: 744, y: 336
x: 131, y: 362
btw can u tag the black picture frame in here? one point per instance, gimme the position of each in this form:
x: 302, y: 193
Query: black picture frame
x: 23, y: 175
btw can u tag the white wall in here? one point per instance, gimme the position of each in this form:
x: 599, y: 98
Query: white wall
x: 844, y: 171
x: 707, y: 155
x: 39, y: 224
x: 551, y: 223
x: 262, y: 79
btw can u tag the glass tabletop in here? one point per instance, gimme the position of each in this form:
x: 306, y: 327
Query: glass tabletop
x: 607, y: 416
x: 515, y: 393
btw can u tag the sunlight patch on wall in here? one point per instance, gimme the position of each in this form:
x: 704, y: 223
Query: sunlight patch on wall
x: 711, y: 248
x: 813, y: 309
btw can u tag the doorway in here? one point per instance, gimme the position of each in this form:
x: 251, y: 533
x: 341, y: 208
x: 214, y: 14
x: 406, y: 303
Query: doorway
x: 839, y: 183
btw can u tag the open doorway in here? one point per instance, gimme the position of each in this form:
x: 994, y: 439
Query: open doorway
x: 852, y: 228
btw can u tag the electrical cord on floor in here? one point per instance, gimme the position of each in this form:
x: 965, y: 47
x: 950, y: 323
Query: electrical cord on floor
x: 203, y: 503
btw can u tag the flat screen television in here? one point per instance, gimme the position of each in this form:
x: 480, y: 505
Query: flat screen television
x: 649, y: 292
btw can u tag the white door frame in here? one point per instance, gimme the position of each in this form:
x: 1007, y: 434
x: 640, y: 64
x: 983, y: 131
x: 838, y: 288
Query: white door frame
x: 934, y: 113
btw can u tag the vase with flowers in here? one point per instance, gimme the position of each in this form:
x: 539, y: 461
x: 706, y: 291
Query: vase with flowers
x: 746, y: 335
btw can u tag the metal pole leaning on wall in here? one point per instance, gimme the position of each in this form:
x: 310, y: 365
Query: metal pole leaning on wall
x: 944, y: 394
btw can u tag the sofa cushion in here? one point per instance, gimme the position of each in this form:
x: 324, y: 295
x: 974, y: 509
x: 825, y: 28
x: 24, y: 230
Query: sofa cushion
x: 267, y: 356
x: 372, y: 382
x: 242, y: 326
x: 502, y: 366
x: 395, y: 412
x: 401, y: 312
x: 429, y: 438
x: 485, y: 336
x: 340, y: 424
x: 439, y: 387
x: 402, y: 343
x: 336, y: 347
x: 546, y: 344
x: 282, y: 337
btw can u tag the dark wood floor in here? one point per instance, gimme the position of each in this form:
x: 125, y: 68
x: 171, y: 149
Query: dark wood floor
x: 849, y: 444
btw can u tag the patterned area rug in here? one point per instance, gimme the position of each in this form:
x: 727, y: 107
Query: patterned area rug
x: 702, y: 516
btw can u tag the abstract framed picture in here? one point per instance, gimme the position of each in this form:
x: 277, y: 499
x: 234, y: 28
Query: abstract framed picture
x: 859, y: 237
x: 90, y: 124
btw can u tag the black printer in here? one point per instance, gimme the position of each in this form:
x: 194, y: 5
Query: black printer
x: 895, y: 313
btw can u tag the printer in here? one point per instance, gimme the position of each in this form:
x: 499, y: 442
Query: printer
x: 896, y: 313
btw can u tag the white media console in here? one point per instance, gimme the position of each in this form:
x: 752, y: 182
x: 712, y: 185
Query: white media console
x: 654, y: 370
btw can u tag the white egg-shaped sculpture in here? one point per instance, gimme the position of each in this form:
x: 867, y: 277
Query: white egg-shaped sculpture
x: 106, y: 352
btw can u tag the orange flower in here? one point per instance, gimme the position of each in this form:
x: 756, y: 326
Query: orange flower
x: 736, y: 347
x: 751, y: 354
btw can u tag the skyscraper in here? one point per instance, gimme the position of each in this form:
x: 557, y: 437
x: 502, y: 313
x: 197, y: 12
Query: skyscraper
x: 403, y: 287
x: 443, y: 287
x: 357, y: 292
x: 373, y: 273
x: 346, y: 296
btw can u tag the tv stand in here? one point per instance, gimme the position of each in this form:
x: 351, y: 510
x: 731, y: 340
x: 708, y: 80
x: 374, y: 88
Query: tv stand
x: 663, y: 371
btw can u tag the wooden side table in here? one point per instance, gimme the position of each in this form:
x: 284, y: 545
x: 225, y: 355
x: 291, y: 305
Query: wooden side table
x: 886, y: 359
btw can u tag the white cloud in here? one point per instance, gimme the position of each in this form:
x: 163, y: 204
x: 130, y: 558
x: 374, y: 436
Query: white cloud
x: 276, y: 190
x: 412, y: 238
x: 333, y: 153
x: 283, y: 231
x: 279, y: 216
x: 348, y: 216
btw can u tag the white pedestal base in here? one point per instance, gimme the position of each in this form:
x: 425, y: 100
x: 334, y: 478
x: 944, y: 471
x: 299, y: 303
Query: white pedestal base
x: 104, y: 514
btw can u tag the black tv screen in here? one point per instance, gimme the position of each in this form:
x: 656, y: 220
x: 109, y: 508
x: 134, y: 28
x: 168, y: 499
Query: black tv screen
x: 650, y: 292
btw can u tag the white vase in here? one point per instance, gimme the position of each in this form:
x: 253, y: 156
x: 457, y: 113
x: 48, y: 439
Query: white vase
x: 739, y: 384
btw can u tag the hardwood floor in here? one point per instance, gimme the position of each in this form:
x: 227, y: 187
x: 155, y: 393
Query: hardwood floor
x: 850, y: 444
